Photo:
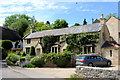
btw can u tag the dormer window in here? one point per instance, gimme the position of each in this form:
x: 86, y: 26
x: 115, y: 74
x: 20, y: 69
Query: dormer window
x: 28, y: 41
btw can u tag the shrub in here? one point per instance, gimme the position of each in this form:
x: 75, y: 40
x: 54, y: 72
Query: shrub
x: 75, y: 77
x: 38, y: 62
x: 32, y: 51
x: 7, y: 44
x: 13, y: 57
x: 28, y: 65
x: 9, y: 63
x: 62, y: 62
x: 22, y: 59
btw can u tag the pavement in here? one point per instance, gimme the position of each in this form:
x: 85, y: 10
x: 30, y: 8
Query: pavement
x: 29, y: 73
x: 56, y: 72
x: 44, y: 72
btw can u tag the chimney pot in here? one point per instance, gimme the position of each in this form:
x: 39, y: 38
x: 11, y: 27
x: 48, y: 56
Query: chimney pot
x: 102, y: 16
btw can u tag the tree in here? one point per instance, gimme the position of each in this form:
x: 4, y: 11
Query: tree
x: 32, y: 51
x: 84, y: 22
x: 111, y: 14
x: 38, y: 26
x: 19, y: 22
x: 76, y: 24
x: 48, y: 23
x: 20, y: 26
x: 60, y: 24
x: 7, y: 44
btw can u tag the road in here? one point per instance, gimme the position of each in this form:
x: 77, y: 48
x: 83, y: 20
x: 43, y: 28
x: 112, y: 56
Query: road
x: 8, y: 73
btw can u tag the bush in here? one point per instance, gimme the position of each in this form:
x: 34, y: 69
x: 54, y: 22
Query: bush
x: 22, y: 59
x: 75, y: 77
x: 10, y: 63
x: 38, y: 62
x: 62, y: 62
x: 61, y: 59
x: 7, y: 44
x: 28, y: 65
x: 32, y: 51
x: 13, y: 58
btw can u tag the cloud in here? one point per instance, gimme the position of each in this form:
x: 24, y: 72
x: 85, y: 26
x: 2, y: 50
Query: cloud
x: 27, y: 5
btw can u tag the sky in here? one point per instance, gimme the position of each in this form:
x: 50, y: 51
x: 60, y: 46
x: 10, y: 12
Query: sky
x: 72, y: 11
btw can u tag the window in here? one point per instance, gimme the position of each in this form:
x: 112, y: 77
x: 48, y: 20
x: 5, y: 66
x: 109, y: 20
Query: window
x: 28, y: 41
x: 110, y: 53
x: 27, y: 50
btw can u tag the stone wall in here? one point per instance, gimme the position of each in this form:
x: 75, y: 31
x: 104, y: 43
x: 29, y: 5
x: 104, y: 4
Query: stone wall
x: 95, y: 72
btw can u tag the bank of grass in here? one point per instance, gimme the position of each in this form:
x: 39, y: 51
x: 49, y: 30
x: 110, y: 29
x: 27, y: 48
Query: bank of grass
x: 75, y: 77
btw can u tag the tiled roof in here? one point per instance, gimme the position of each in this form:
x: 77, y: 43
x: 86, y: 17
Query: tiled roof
x: 65, y: 31
x: 110, y: 44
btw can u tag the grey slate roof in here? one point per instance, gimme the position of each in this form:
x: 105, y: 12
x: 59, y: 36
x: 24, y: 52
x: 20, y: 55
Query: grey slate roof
x: 65, y: 31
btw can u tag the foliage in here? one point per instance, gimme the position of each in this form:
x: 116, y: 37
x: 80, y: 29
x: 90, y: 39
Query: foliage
x: 32, y: 51
x: 60, y: 24
x: 75, y: 77
x: 19, y: 22
x: 111, y: 14
x: 28, y: 65
x: 38, y: 62
x: 47, y: 42
x: 23, y: 53
x: 7, y: 44
x: 76, y: 24
x: 84, y: 22
x: 10, y: 63
x: 38, y: 26
x: 13, y: 57
x: 63, y: 59
x: 22, y: 59
x: 60, y: 59
x: 47, y: 22
x: 76, y: 41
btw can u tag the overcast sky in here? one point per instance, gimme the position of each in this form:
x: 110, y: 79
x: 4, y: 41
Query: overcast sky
x: 73, y: 11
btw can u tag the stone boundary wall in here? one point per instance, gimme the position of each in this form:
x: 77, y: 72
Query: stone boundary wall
x: 95, y: 72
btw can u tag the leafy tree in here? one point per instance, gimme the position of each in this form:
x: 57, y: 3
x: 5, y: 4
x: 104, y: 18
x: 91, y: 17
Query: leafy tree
x: 76, y: 24
x: 84, y: 22
x: 47, y: 42
x: 7, y: 44
x: 39, y: 26
x: 32, y: 51
x: 48, y: 23
x: 111, y: 14
x: 60, y: 24
x: 19, y: 22
x: 20, y: 26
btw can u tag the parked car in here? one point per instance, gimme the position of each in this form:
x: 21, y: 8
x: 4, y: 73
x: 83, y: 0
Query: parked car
x: 92, y: 60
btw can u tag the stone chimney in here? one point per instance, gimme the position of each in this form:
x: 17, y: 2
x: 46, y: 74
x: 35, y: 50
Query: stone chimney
x: 102, y: 19
x: 31, y: 30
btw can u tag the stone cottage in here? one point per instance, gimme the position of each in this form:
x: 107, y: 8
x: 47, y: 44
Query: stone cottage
x: 109, y: 46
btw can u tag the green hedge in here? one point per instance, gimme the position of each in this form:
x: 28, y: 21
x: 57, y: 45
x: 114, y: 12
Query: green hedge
x: 28, y: 65
x: 13, y: 57
x: 60, y: 59
x: 38, y: 62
